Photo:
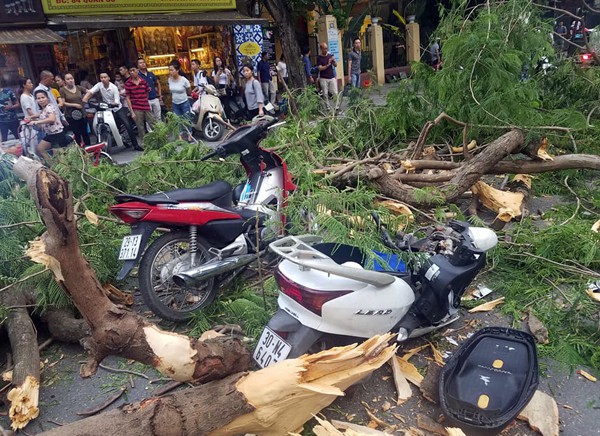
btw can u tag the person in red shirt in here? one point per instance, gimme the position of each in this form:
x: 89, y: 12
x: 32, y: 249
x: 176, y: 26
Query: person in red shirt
x: 137, y: 90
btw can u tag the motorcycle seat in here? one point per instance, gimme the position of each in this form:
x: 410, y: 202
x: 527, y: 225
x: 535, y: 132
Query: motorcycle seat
x: 218, y: 192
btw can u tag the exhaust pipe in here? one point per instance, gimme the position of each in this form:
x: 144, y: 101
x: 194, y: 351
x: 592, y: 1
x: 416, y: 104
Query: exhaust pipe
x: 195, y: 276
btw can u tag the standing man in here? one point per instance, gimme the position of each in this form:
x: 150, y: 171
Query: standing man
x: 327, y: 80
x: 137, y: 91
x: 110, y: 95
x: 155, y: 96
x: 47, y: 79
x: 124, y: 72
x: 264, y: 77
x: 561, y: 31
x: 354, y: 59
x: 307, y: 65
x: 9, y: 103
x: 200, y: 80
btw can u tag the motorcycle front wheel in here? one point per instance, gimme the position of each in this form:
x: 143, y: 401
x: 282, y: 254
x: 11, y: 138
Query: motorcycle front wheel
x: 104, y: 135
x: 212, y: 130
x: 168, y: 255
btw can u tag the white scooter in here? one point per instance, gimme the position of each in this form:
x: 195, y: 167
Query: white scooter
x: 208, y: 115
x: 325, y: 290
x: 105, y: 126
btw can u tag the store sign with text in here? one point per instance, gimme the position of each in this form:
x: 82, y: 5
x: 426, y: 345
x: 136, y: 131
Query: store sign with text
x: 21, y: 11
x: 103, y: 7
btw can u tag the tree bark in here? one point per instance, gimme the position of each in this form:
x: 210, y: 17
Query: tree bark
x: 279, y: 10
x: 115, y: 330
x: 271, y: 402
x: 195, y: 411
x: 26, y: 356
x: 462, y: 178
x: 64, y: 327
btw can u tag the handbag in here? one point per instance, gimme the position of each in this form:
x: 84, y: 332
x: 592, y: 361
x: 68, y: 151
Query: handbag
x: 76, y: 114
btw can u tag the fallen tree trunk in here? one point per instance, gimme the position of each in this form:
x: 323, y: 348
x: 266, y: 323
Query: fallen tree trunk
x: 566, y: 162
x: 269, y: 402
x: 462, y: 179
x: 115, y: 330
x: 64, y: 327
x: 26, y: 357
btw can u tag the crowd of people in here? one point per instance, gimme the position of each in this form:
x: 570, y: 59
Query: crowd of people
x: 56, y: 105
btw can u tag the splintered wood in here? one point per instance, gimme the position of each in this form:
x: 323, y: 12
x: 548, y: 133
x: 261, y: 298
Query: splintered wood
x: 402, y: 387
x: 24, y: 403
x: 288, y: 394
x: 542, y: 414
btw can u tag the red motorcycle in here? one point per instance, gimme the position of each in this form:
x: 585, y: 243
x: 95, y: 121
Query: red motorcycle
x: 214, y: 230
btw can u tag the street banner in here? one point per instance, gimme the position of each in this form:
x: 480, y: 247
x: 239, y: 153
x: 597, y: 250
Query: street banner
x: 248, y: 43
x: 104, y: 7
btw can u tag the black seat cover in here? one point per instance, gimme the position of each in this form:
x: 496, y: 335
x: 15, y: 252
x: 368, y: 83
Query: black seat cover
x: 219, y: 190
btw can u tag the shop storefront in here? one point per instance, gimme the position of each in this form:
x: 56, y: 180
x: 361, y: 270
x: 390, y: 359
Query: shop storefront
x: 26, y: 45
x: 96, y: 39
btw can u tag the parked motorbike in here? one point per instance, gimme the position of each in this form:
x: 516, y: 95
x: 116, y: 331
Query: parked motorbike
x: 209, y: 116
x: 214, y: 230
x: 325, y: 289
x: 105, y: 126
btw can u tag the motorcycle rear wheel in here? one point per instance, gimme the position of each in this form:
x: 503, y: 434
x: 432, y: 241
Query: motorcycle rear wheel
x: 159, y: 292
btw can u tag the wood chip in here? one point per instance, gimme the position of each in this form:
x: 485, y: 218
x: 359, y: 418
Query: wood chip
x: 91, y: 217
x: 596, y: 227
x: 587, y: 375
x: 542, y: 414
x: 429, y: 386
x: 437, y: 356
x: 455, y: 431
x: 537, y: 329
x: 410, y: 353
x: 359, y: 429
x: 410, y: 371
x: 486, y: 307
x: 426, y: 423
x: 403, y: 389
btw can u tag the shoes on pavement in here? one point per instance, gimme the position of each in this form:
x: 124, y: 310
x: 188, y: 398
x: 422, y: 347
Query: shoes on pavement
x: 138, y: 148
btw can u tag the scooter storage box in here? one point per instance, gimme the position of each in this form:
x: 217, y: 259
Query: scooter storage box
x: 489, y: 380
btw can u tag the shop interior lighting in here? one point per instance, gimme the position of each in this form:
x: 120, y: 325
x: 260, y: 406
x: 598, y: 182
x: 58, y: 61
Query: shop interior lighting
x: 195, y: 50
x: 161, y: 56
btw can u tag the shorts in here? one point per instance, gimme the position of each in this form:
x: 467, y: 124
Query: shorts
x: 60, y: 139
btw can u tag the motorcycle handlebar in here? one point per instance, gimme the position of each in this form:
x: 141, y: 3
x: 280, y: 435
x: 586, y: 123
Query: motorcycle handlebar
x: 209, y: 155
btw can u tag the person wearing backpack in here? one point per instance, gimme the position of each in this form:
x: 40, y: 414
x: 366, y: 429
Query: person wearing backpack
x: 255, y: 100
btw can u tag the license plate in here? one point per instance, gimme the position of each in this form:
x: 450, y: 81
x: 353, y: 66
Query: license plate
x: 271, y: 348
x: 130, y: 247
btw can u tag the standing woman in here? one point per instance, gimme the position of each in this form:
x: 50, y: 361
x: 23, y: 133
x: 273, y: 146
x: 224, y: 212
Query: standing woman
x: 28, y: 104
x: 8, y: 112
x: 72, y: 96
x: 180, y: 90
x: 31, y: 112
x: 50, y: 123
x: 224, y: 82
x: 221, y: 74
x: 253, y: 92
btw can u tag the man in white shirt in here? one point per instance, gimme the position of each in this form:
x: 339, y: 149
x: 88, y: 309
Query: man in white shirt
x: 110, y: 95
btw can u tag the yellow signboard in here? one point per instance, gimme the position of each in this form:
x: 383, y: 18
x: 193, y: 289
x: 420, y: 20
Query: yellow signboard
x: 116, y: 7
x: 249, y: 48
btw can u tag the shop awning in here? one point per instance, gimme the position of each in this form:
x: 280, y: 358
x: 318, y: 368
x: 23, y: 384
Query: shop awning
x: 137, y: 20
x: 29, y: 36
